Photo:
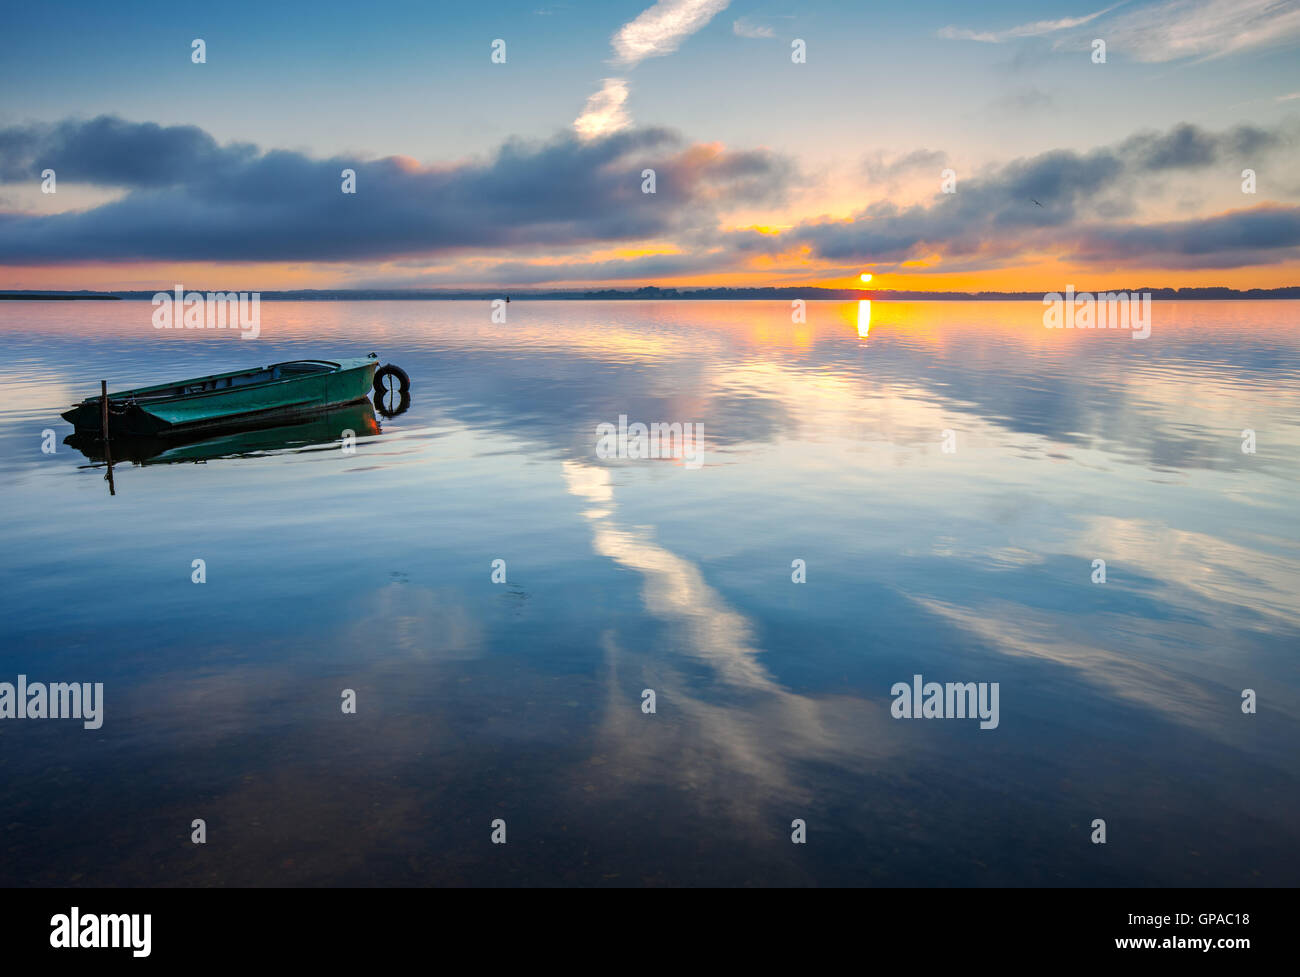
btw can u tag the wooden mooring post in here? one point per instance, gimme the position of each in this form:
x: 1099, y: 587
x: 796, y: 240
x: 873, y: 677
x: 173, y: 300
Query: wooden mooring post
x: 103, y: 430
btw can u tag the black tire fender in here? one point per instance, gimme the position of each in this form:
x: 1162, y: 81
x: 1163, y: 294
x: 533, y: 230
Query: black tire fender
x: 389, y: 370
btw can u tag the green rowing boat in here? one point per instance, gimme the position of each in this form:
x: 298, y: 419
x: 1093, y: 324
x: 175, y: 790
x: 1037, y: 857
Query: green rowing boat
x: 281, y: 390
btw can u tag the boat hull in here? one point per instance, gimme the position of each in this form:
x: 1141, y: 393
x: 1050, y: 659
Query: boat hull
x: 251, y: 438
x: 290, y: 390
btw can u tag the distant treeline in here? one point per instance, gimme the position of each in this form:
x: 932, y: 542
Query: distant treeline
x: 57, y: 296
x: 654, y: 292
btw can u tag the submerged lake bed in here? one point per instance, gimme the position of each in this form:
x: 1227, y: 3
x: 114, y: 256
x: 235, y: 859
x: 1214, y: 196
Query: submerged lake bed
x: 1061, y: 524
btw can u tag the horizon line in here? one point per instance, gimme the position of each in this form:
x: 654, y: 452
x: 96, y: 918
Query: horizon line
x: 703, y: 292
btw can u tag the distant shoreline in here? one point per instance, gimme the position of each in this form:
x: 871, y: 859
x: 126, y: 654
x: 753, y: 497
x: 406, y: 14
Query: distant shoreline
x: 55, y: 297
x: 1212, y: 293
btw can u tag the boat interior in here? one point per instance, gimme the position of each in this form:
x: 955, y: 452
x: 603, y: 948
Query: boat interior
x: 278, y: 371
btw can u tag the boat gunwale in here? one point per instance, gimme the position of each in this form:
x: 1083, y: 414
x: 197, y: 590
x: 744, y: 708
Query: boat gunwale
x: 134, y: 392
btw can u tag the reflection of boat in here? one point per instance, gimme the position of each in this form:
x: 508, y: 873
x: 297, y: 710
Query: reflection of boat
x: 321, y: 428
x: 274, y: 392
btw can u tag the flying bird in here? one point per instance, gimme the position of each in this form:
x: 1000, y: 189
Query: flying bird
x: 1035, y: 201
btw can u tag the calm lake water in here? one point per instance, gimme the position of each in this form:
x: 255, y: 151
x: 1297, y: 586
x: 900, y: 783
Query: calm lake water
x: 522, y: 700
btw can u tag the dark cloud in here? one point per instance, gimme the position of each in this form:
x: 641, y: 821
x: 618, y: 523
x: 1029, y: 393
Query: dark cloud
x: 1188, y: 147
x: 990, y: 214
x: 1049, y: 203
x: 108, y: 151
x: 190, y: 199
x: 1260, y: 235
x: 187, y: 198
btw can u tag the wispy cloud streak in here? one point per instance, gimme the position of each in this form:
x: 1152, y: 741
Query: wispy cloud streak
x: 744, y: 27
x: 1204, y: 28
x: 604, y: 112
x: 1168, y: 31
x: 1036, y: 29
x: 662, y: 28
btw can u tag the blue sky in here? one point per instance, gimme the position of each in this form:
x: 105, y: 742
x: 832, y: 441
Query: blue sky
x: 978, y: 85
